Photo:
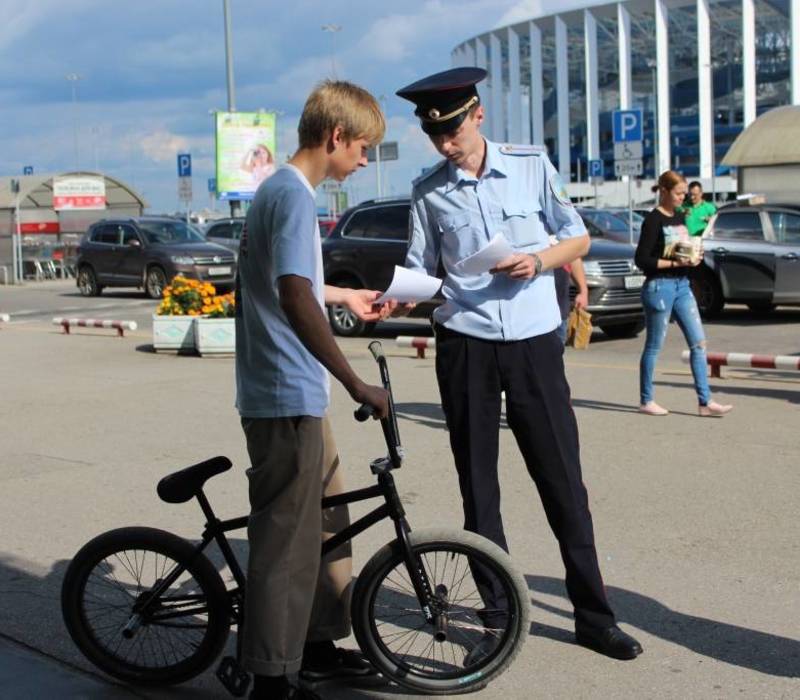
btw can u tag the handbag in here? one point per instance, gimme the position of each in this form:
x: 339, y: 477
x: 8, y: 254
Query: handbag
x: 579, y: 328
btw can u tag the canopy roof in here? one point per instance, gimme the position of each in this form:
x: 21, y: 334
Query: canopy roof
x: 772, y: 139
x: 36, y: 191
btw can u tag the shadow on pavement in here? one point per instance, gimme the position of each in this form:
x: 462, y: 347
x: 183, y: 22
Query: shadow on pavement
x: 790, y: 395
x: 731, y: 644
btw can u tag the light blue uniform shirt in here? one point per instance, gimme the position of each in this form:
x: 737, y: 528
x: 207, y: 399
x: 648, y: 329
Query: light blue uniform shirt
x: 276, y: 376
x: 453, y: 215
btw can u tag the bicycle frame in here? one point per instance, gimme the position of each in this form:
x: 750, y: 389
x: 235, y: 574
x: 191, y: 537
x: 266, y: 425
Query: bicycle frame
x: 392, y: 507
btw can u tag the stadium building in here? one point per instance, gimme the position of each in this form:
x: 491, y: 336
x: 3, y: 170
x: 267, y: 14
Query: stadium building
x: 700, y: 70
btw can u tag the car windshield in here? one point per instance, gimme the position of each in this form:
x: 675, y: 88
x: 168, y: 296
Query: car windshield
x: 170, y: 232
x: 611, y: 223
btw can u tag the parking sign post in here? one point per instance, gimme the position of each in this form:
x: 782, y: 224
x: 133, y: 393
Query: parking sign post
x: 185, y: 181
x: 627, y: 127
x: 596, y: 175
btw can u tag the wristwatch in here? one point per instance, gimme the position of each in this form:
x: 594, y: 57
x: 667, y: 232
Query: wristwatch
x: 537, y: 264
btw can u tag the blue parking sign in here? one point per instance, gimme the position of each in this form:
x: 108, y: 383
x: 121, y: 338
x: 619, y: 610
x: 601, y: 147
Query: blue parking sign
x: 595, y: 168
x: 27, y: 170
x: 627, y: 125
x: 184, y: 165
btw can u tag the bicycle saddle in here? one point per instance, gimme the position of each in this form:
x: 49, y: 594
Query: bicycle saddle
x: 183, y: 485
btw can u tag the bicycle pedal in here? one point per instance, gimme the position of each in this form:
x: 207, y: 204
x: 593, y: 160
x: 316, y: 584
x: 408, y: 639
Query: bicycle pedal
x: 235, y: 679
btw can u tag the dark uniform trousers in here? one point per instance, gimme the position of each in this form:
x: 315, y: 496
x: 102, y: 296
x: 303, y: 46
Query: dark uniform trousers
x: 471, y: 374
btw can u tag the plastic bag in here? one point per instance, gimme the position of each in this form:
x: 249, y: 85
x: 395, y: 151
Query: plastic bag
x: 579, y: 328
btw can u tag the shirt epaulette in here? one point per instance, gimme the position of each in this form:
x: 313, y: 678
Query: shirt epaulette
x: 430, y: 171
x: 515, y: 149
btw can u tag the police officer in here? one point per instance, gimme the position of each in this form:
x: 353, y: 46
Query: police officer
x: 497, y: 331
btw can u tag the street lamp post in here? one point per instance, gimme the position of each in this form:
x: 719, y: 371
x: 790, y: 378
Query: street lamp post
x: 73, y: 79
x: 332, y: 29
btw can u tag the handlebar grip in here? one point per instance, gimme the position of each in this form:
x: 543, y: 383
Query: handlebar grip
x: 376, y: 349
x: 363, y: 412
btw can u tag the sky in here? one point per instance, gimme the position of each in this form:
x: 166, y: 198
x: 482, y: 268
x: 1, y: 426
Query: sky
x: 153, y: 72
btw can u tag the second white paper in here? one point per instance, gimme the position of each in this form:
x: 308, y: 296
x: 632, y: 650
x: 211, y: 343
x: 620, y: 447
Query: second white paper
x: 487, y: 257
x: 410, y: 286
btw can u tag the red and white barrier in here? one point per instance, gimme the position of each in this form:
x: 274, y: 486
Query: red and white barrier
x: 119, y: 326
x: 421, y: 344
x: 741, y: 359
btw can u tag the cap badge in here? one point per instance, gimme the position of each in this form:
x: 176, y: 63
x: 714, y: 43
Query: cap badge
x: 434, y: 113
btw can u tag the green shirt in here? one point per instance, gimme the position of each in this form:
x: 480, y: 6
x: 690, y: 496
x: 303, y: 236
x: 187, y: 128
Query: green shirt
x: 697, y: 216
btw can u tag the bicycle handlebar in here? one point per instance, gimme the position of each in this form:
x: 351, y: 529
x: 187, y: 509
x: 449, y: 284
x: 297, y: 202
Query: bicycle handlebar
x: 363, y: 412
x: 391, y: 433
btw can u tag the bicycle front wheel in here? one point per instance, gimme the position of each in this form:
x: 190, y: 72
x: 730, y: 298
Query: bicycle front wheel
x: 115, y: 617
x: 473, y: 638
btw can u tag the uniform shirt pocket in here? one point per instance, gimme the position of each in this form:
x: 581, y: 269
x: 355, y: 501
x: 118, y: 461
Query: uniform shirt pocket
x: 522, y: 226
x: 460, y: 236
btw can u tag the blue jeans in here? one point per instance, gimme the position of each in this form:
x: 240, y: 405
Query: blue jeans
x: 663, y: 297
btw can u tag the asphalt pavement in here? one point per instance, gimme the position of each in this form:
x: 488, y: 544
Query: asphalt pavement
x: 695, y: 519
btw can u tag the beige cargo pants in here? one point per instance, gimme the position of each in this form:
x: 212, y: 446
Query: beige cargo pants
x: 291, y: 597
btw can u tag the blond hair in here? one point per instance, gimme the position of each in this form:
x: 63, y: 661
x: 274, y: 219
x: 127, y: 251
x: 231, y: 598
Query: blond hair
x: 668, y: 180
x: 339, y: 103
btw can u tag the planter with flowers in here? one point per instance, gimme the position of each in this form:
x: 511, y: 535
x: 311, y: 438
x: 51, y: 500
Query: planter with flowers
x: 215, y: 330
x: 192, y: 317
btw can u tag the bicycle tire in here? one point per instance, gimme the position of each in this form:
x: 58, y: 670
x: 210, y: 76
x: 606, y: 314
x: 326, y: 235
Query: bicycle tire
x: 111, y: 573
x: 377, y: 592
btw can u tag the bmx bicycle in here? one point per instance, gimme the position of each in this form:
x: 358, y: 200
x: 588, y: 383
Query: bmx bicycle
x: 149, y: 607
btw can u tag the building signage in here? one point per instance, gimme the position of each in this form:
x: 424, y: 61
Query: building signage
x: 246, y: 143
x: 79, y: 192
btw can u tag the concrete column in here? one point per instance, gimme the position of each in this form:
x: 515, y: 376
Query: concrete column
x: 662, y: 86
x: 537, y: 91
x: 794, y: 70
x: 514, y: 96
x: 624, y: 53
x: 592, y: 92
x: 705, y: 90
x: 562, y: 98
x: 749, y: 60
x: 496, y: 107
x: 482, y: 61
x: 468, y: 47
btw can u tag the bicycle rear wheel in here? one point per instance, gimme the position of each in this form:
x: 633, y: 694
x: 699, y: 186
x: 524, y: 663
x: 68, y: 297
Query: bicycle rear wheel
x: 119, y: 625
x: 470, y: 643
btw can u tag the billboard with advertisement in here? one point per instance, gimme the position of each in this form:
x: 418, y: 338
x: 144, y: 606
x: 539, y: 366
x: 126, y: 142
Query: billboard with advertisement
x: 245, y: 152
x: 79, y: 192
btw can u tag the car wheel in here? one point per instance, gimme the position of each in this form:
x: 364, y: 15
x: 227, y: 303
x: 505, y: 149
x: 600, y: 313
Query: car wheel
x: 761, y: 307
x: 87, y: 282
x: 154, y: 282
x: 623, y: 330
x: 708, y: 293
x: 345, y: 323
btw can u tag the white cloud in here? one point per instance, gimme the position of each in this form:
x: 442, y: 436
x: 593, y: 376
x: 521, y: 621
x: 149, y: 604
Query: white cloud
x: 19, y: 18
x: 161, y: 145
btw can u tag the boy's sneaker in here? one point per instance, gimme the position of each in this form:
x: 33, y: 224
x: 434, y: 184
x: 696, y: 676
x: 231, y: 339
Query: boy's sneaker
x: 338, y: 663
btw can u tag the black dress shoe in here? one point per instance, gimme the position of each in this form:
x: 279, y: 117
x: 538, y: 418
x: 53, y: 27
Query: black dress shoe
x: 611, y: 641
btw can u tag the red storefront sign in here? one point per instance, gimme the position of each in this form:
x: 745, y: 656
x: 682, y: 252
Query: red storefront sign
x: 40, y: 227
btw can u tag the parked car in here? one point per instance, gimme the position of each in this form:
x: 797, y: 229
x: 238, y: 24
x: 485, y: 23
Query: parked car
x: 611, y: 224
x: 148, y: 252
x: 752, y: 256
x: 371, y: 238
x: 226, y: 232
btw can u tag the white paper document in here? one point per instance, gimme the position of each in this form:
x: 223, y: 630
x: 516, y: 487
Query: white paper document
x: 410, y: 286
x: 486, y: 258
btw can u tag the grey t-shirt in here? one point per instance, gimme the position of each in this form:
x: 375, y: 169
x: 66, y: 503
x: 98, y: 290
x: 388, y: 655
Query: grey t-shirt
x: 276, y: 376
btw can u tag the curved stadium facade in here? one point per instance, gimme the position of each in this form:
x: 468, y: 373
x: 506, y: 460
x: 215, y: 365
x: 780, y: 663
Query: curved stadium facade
x: 700, y: 71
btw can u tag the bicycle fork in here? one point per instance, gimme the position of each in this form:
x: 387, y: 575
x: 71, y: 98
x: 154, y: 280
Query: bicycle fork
x: 433, y: 603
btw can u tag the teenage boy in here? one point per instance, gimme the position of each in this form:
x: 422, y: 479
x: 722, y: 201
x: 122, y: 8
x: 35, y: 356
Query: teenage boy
x: 295, y: 607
